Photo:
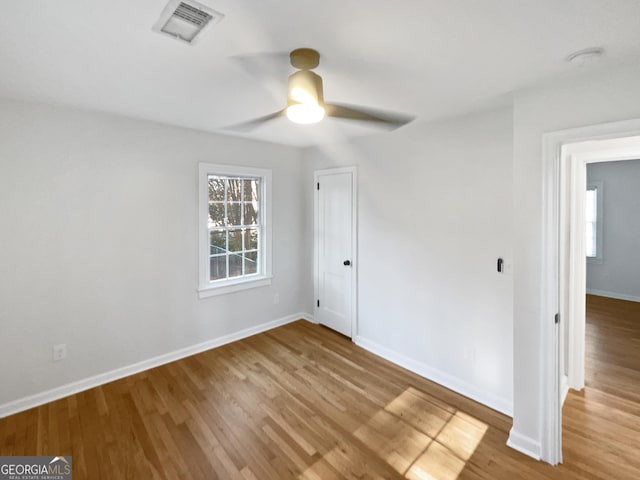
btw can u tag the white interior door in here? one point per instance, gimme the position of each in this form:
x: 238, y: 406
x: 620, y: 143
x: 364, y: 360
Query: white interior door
x: 335, y: 249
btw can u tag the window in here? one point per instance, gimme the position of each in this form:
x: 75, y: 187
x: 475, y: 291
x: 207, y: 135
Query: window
x: 593, y: 214
x: 234, y: 229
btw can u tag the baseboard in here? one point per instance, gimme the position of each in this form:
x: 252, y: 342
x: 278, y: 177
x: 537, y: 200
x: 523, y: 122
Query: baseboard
x: 524, y: 444
x: 449, y: 381
x: 617, y: 296
x: 62, y: 391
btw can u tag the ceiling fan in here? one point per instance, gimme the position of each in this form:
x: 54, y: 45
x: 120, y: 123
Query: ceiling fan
x: 306, y: 105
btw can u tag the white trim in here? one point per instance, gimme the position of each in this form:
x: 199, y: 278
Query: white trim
x: 41, y: 398
x: 524, y: 444
x: 237, y: 286
x: 564, y: 388
x: 205, y: 287
x: 573, y: 281
x: 549, y: 447
x: 550, y: 375
x: 354, y: 240
x: 617, y: 296
x: 462, y: 387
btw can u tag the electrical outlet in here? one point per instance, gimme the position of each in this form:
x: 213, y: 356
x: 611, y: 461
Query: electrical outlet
x: 276, y: 298
x: 59, y: 352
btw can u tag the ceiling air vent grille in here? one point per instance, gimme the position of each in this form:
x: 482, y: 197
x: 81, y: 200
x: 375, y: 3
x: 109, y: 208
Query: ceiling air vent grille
x: 192, y: 15
x: 185, y: 20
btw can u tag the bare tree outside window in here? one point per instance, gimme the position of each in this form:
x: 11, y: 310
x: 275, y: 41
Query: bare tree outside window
x: 234, y: 226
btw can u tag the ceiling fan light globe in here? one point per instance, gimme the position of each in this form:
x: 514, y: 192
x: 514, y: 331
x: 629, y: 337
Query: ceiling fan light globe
x: 305, y: 113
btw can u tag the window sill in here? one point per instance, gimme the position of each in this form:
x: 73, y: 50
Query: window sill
x: 596, y: 260
x: 234, y: 286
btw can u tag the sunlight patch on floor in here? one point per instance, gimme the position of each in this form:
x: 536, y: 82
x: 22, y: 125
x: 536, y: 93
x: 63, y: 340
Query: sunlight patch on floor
x: 436, y: 463
x: 394, y: 441
x: 419, y: 436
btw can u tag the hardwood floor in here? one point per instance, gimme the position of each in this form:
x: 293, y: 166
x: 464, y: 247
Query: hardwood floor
x: 601, y: 424
x: 613, y: 347
x: 301, y: 401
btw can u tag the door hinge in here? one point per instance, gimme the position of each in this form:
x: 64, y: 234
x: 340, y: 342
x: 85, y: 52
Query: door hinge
x: 318, y: 303
x: 318, y: 185
x: 557, y: 318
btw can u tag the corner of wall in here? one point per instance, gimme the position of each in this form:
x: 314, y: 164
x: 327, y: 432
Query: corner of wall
x: 308, y: 317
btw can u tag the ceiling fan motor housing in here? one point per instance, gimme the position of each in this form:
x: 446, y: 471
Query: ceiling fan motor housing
x: 304, y: 58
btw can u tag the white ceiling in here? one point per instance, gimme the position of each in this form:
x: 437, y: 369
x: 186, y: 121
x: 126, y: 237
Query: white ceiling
x: 428, y: 58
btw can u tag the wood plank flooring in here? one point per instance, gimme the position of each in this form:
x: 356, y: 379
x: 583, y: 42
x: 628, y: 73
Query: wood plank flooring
x: 601, y: 424
x: 613, y: 347
x: 301, y: 401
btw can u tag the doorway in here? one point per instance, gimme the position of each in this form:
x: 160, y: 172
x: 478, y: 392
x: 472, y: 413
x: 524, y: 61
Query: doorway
x: 335, y: 249
x: 575, y: 244
x: 566, y: 155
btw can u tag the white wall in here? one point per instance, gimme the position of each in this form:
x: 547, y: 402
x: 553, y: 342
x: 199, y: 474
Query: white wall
x: 607, y: 96
x: 435, y: 213
x: 617, y: 275
x: 99, y: 248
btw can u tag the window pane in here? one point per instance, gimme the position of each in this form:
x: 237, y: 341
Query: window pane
x: 218, y: 267
x: 234, y: 224
x: 235, y: 265
x: 251, y: 213
x: 251, y: 263
x: 592, y: 205
x: 216, y: 189
x: 251, y: 190
x: 234, y: 190
x: 591, y: 214
x: 233, y: 213
x: 235, y: 240
x: 217, y: 243
x: 251, y: 239
x: 216, y: 214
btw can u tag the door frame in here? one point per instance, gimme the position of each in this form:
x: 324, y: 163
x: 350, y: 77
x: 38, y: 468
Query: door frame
x: 556, y: 157
x: 354, y: 241
x: 573, y: 265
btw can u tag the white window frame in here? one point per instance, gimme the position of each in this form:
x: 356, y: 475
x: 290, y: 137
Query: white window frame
x: 208, y: 288
x: 597, y: 186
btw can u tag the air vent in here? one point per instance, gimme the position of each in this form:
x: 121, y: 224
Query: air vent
x: 185, y: 20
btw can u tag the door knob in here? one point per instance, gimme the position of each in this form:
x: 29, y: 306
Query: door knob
x: 347, y: 262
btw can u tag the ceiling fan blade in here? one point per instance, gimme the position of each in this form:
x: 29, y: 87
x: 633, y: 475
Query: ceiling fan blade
x: 251, y: 124
x: 263, y: 64
x: 384, y: 119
